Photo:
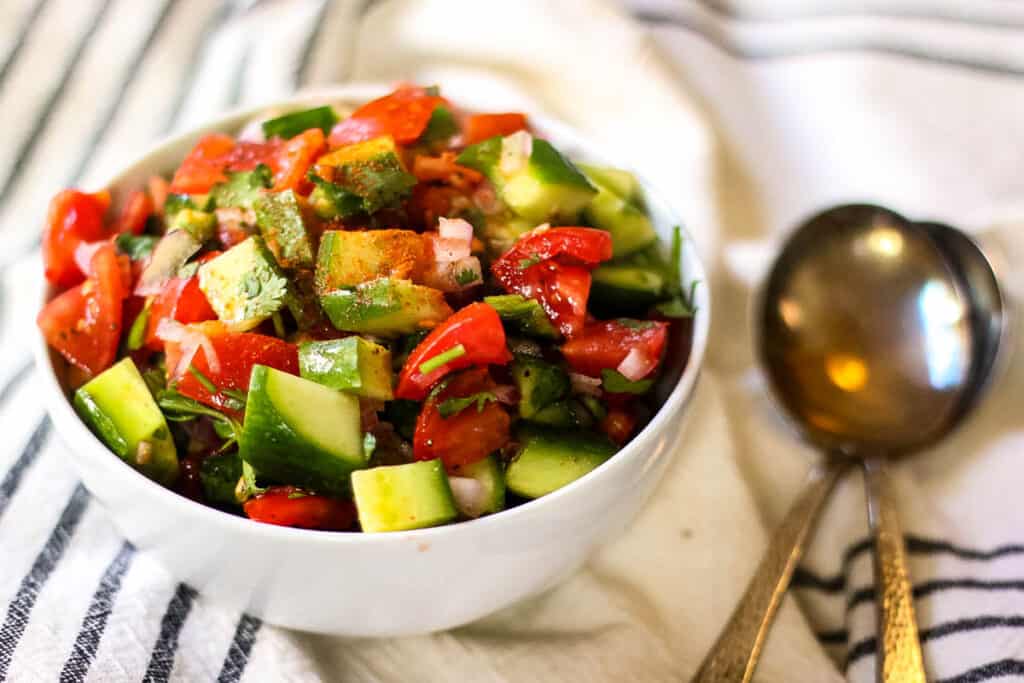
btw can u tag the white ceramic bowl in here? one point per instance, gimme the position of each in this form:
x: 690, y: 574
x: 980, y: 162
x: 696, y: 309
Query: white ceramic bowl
x: 379, y: 584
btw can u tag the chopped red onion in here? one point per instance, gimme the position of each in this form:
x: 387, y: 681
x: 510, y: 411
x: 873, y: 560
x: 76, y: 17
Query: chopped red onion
x: 515, y: 152
x: 469, y: 495
x: 636, y: 365
x: 584, y: 384
x: 84, y: 253
x: 455, y: 229
x: 170, y: 254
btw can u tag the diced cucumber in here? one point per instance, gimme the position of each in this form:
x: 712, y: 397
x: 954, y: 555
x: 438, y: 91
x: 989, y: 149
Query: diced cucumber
x: 440, y: 127
x: 117, y: 406
x: 242, y: 189
x: 352, y: 257
x: 352, y: 364
x: 623, y: 290
x: 566, y: 414
x: 291, y: 124
x: 525, y: 315
x: 547, y: 187
x: 281, y: 223
x: 486, y: 481
x: 401, y: 497
x: 299, y: 432
x: 540, y: 384
x: 499, y: 232
x: 385, y: 307
x: 548, y: 460
x: 244, y: 285
x: 219, y: 475
x: 629, y: 226
x: 623, y: 183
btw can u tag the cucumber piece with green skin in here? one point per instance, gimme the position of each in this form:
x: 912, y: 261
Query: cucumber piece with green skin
x: 219, y: 475
x: 352, y: 364
x: 618, y: 290
x: 629, y: 226
x: 384, y: 307
x: 525, y: 315
x: 567, y: 414
x: 402, y: 497
x: 120, y: 410
x: 440, y: 127
x: 490, y: 477
x: 548, y: 187
x: 623, y: 183
x: 281, y: 223
x: 244, y: 284
x: 302, y: 433
x: 540, y: 384
x: 296, y: 122
x: 548, y: 460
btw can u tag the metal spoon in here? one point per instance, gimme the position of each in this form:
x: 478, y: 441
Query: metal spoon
x: 878, y: 336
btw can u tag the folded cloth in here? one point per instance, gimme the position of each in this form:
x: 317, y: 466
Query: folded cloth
x: 748, y: 123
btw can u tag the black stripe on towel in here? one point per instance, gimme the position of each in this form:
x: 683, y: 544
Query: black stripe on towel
x: 1000, y: 669
x: 95, y: 622
x: 161, y: 661
x: 29, y: 144
x: 20, y: 609
x: 863, y: 595
x: 111, y: 107
x: 241, y: 645
x: 867, y: 646
x: 733, y: 48
x: 21, y: 37
x: 29, y: 454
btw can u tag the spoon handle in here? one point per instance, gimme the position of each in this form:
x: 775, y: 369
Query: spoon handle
x: 734, y: 655
x: 899, y: 645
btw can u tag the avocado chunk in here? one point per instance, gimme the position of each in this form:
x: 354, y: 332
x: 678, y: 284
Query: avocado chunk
x: 300, y: 432
x: 244, y: 285
x: 352, y: 257
x: 279, y: 218
x: 117, y: 406
x: 540, y: 384
x: 333, y: 202
x: 547, y: 187
x: 620, y: 214
x: 402, y: 497
x: 548, y: 460
x: 242, y: 189
x: 523, y: 315
x: 219, y: 475
x: 385, y: 307
x: 352, y: 364
x: 372, y: 170
x: 201, y: 225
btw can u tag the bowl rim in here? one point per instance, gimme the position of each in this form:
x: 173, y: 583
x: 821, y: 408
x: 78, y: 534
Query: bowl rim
x: 64, y: 415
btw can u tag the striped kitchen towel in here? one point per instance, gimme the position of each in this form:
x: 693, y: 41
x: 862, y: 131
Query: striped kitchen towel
x: 750, y: 114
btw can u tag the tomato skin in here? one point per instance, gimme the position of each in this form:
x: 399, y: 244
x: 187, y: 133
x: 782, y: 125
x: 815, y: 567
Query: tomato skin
x: 480, y: 127
x: 137, y: 210
x: 290, y: 506
x: 84, y: 323
x: 477, y: 327
x: 603, y: 345
x: 618, y: 425
x: 203, y: 167
x: 570, y: 246
x: 237, y: 352
x: 468, y: 436
x: 403, y: 115
x: 293, y: 159
x: 73, y: 217
x: 180, y: 300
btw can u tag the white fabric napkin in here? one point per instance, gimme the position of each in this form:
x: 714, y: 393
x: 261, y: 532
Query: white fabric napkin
x: 749, y: 123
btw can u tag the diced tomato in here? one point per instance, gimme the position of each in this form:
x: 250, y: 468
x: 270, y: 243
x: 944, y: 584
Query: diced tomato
x: 618, y: 425
x: 467, y: 436
x: 443, y: 168
x: 74, y: 217
x: 480, y: 127
x: 293, y: 159
x: 552, y: 266
x: 430, y: 202
x: 403, y: 115
x: 84, y: 323
x: 477, y: 328
x: 136, y: 211
x: 236, y: 353
x: 158, y: 189
x: 290, y: 506
x: 603, y: 345
x: 204, y: 166
x: 181, y: 300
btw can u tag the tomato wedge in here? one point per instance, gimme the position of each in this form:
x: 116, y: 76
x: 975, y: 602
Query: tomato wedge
x: 467, y: 436
x: 480, y: 127
x: 74, y: 217
x: 552, y: 266
x: 403, y: 115
x: 604, y: 345
x: 84, y: 323
x: 204, y: 166
x: 135, y: 213
x: 293, y: 159
x: 236, y: 353
x: 291, y: 506
x: 476, y: 328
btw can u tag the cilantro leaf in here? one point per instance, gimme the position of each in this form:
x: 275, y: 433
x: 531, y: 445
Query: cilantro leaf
x: 243, y: 188
x: 454, y: 406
